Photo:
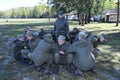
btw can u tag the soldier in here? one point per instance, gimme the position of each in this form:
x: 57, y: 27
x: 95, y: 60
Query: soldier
x: 62, y: 57
x: 18, y: 46
x: 95, y: 40
x: 72, y: 35
x: 52, y: 32
x: 44, y: 53
x: 32, y: 44
x: 83, y: 58
x: 42, y: 33
x: 27, y: 30
x: 61, y: 26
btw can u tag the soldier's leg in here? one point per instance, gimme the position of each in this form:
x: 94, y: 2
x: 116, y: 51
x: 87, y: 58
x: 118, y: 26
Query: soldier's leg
x: 25, y: 53
x: 49, y: 63
x: 69, y: 66
x: 26, y: 57
x: 56, y: 60
x: 69, y: 58
x: 96, y: 52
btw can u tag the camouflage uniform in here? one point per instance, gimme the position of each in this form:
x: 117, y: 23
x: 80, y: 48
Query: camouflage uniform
x: 61, y: 26
x: 83, y: 59
x: 44, y: 52
x: 65, y: 58
x: 32, y: 44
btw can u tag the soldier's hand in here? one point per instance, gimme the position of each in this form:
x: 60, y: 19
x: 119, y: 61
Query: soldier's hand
x: 25, y: 47
x: 61, y: 52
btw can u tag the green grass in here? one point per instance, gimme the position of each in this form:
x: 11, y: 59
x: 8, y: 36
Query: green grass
x: 108, y: 63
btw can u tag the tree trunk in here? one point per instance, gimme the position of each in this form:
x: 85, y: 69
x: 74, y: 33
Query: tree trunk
x: 89, y: 16
x: 82, y: 19
x: 79, y: 20
x: 86, y: 19
x: 89, y: 9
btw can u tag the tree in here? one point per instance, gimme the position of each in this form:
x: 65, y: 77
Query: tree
x: 1, y: 14
x: 26, y: 12
x: 36, y: 12
x: 84, y: 8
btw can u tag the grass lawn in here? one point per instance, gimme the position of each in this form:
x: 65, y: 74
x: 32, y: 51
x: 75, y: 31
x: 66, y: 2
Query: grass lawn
x: 108, y: 62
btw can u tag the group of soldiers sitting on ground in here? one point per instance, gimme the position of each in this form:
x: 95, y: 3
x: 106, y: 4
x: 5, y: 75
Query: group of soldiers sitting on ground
x: 77, y: 51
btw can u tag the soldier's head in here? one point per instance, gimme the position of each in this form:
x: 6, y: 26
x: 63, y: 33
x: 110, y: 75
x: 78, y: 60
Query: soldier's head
x: 49, y: 36
x: 27, y: 28
x: 60, y: 14
x: 61, y: 40
x: 103, y: 37
x: 30, y: 35
x: 21, y: 37
x: 81, y: 35
x: 41, y: 30
x: 75, y: 29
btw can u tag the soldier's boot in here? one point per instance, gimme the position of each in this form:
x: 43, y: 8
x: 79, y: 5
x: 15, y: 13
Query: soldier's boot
x: 79, y: 72
x: 28, y: 61
x: 47, y: 69
x: 37, y: 68
x: 56, y: 69
x: 70, y: 69
x: 94, y: 69
x: 22, y: 61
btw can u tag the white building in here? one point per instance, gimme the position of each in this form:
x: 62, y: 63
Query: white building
x: 109, y: 15
x: 71, y: 15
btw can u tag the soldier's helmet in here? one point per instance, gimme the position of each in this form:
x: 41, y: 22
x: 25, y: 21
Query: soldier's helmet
x: 48, y: 36
x: 60, y: 13
x: 29, y: 34
x: 61, y: 37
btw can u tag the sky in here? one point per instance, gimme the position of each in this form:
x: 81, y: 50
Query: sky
x: 7, y: 4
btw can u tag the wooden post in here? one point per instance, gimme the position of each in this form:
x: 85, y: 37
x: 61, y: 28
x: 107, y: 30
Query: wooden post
x: 117, y: 23
x: 49, y: 9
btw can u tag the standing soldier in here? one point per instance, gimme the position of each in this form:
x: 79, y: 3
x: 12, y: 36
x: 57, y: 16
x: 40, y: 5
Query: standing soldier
x: 61, y: 26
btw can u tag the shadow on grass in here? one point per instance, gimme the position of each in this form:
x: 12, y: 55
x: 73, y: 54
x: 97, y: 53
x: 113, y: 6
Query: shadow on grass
x: 26, y: 24
x: 108, y: 61
x: 15, y: 29
x: 114, y: 41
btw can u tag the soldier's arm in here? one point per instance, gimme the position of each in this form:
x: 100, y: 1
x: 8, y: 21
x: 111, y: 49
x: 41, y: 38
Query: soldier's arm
x: 55, y: 48
x: 54, y: 27
x: 71, y: 49
x: 67, y: 27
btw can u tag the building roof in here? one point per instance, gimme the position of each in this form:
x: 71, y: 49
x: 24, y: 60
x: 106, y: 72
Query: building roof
x: 110, y: 11
x: 72, y: 12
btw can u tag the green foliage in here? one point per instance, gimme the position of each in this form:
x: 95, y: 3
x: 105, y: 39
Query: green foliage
x: 100, y: 5
x: 26, y: 12
x: 36, y: 12
x: 110, y: 4
x: 97, y: 6
x: 1, y: 14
